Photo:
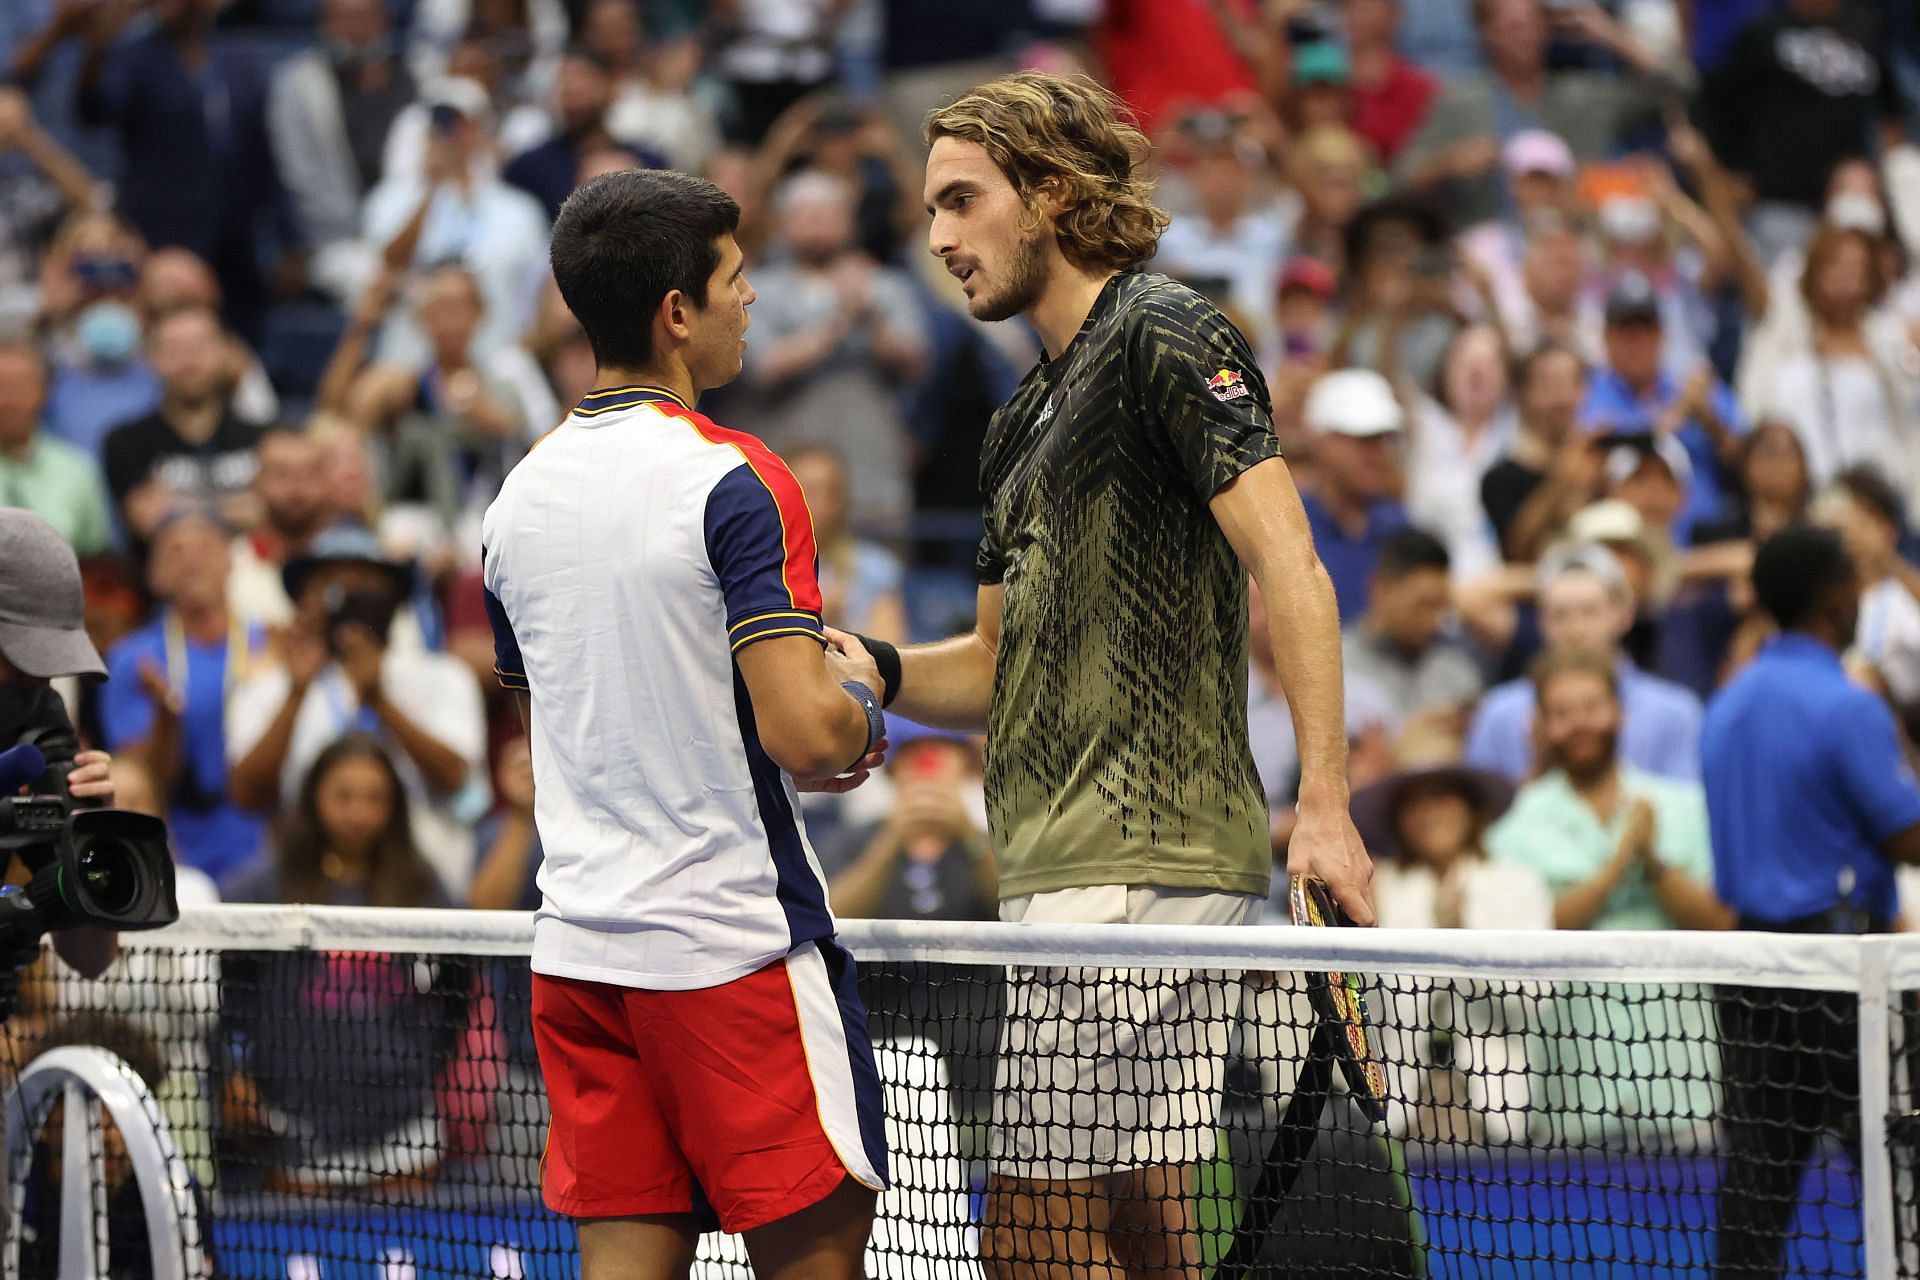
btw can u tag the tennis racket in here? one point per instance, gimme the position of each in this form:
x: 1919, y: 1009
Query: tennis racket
x: 1342, y: 1036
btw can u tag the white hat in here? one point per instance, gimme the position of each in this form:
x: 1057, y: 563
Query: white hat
x: 463, y: 94
x: 1353, y: 402
x: 1611, y: 522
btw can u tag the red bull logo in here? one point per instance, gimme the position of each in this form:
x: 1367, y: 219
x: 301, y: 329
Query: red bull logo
x: 1227, y: 385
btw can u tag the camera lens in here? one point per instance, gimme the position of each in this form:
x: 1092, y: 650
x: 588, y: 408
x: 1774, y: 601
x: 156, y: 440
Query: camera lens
x: 110, y: 873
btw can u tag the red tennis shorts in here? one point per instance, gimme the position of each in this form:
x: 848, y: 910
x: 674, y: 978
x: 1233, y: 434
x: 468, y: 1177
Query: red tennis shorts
x: 757, y: 1098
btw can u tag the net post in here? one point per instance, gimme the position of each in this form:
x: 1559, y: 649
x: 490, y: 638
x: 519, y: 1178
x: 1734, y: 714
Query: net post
x: 1876, y: 1079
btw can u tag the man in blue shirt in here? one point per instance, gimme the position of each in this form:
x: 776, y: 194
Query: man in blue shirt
x: 1586, y: 604
x: 1632, y: 394
x: 165, y: 699
x: 1811, y: 803
x: 1356, y: 423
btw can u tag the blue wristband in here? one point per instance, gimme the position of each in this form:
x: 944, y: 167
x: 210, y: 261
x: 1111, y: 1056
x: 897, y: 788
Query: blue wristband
x: 876, y: 719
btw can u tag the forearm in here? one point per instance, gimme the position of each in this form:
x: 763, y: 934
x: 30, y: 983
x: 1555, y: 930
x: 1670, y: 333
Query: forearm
x: 857, y: 892
x: 1306, y: 647
x: 160, y: 752
x: 1691, y: 904
x: 1544, y: 513
x: 254, y: 781
x: 67, y: 174
x: 443, y: 768
x: 503, y: 868
x: 1581, y: 905
x: 948, y: 685
x: 343, y: 366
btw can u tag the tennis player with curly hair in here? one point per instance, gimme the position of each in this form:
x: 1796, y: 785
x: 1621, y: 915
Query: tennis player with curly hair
x: 1131, y: 484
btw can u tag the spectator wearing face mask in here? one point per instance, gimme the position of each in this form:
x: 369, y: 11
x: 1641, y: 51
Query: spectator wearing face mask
x: 89, y: 293
x: 48, y: 477
x: 329, y: 112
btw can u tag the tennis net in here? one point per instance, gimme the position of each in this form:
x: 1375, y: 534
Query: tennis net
x: 354, y: 1094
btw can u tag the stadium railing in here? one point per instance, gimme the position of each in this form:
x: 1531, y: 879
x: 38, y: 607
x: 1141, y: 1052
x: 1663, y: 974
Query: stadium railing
x: 355, y: 1093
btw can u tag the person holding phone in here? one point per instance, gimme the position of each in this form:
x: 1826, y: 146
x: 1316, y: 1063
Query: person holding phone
x: 337, y: 674
x: 928, y: 859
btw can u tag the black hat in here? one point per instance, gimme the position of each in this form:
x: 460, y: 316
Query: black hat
x: 345, y: 543
x: 1374, y: 808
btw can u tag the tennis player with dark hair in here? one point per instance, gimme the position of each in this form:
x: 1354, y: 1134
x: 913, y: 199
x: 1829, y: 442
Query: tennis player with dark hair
x: 650, y: 577
x: 1131, y: 483
x: 1812, y: 800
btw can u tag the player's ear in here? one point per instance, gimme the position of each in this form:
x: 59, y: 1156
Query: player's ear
x: 674, y: 315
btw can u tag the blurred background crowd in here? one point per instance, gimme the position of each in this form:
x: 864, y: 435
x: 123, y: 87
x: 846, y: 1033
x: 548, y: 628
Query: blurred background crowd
x: 1563, y: 305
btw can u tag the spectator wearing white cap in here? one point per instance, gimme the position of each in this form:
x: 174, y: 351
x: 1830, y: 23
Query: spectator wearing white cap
x: 499, y: 233
x: 1353, y: 502
x: 1586, y: 603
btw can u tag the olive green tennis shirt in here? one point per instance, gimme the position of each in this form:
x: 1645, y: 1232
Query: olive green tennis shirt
x: 1117, y: 741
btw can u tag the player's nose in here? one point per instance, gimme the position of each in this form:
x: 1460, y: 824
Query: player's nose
x: 940, y: 241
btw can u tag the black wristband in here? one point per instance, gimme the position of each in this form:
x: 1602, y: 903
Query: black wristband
x: 887, y: 658
x: 876, y: 723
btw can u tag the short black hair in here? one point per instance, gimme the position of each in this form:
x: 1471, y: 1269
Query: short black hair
x: 624, y: 241
x: 1794, y: 570
x: 1409, y: 550
x: 1866, y: 486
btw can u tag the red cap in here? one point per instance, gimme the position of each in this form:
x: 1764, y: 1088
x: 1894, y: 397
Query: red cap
x: 1310, y: 274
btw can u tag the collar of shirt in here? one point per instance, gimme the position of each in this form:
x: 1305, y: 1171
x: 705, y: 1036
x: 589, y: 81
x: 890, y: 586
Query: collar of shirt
x: 1794, y: 646
x: 1610, y: 395
x: 1101, y: 304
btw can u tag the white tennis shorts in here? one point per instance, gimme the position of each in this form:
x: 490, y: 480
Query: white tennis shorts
x: 1103, y: 1070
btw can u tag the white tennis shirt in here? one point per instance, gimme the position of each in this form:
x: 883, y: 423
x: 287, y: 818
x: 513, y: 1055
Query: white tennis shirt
x: 627, y: 558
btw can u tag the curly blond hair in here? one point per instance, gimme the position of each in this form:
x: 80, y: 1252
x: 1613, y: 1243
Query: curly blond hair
x: 1071, y: 139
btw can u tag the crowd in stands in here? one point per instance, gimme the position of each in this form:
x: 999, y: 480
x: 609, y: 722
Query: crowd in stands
x: 1563, y: 307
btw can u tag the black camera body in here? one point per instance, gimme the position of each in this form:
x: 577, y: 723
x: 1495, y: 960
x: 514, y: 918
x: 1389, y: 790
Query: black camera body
x: 89, y: 865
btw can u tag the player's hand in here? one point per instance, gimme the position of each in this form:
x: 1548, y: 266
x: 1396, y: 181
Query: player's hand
x: 1326, y: 847
x: 848, y: 659
x: 92, y: 777
x: 847, y: 781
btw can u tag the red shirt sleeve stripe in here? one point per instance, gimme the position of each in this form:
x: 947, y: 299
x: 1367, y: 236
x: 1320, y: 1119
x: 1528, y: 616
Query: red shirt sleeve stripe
x: 801, y: 571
